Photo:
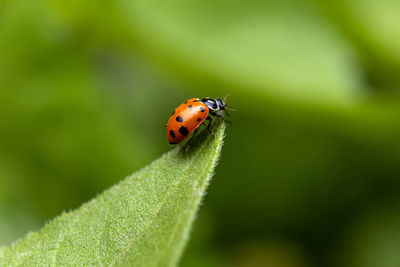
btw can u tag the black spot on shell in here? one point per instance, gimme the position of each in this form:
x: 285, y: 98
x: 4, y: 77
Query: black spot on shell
x: 184, y: 131
x: 190, y: 106
x: 202, y: 109
x: 172, y: 134
x: 198, y: 119
x: 179, y: 119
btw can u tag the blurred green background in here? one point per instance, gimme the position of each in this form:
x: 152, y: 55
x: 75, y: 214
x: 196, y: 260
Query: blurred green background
x: 310, y: 171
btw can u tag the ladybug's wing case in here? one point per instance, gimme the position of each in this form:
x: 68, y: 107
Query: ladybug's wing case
x: 186, y: 119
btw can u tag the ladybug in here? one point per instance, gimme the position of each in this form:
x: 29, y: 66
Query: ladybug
x: 191, y: 114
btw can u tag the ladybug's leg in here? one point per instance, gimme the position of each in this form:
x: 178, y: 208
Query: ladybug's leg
x: 228, y: 121
x: 190, y: 140
x: 221, y: 115
x: 208, y: 127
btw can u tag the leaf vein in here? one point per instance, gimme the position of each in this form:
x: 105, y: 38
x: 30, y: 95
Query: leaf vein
x: 147, y: 225
x: 98, y: 254
x: 60, y: 240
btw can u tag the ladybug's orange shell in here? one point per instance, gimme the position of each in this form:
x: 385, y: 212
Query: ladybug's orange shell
x: 186, y: 118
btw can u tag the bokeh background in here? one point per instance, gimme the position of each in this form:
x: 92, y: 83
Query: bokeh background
x: 310, y: 171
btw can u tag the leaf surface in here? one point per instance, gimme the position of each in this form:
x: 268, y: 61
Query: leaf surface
x: 142, y: 221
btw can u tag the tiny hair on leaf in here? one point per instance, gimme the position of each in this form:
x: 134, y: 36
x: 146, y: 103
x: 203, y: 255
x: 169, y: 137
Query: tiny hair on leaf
x: 144, y: 220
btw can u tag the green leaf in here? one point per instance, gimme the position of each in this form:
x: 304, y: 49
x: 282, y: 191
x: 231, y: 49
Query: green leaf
x: 142, y: 221
x: 284, y: 49
x: 378, y: 24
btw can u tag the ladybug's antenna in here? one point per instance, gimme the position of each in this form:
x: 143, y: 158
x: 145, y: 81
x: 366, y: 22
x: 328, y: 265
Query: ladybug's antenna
x: 226, y: 97
x: 226, y: 107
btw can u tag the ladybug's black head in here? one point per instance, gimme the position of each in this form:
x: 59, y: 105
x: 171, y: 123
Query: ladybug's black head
x: 221, y: 104
x: 214, y: 104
